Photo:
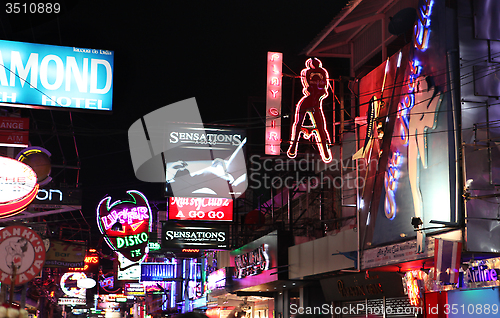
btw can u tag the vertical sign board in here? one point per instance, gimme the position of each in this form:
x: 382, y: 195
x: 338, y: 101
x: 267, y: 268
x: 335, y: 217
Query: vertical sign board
x: 49, y: 76
x: 273, y: 102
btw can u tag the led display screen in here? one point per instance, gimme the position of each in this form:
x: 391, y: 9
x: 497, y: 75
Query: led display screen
x: 48, y: 76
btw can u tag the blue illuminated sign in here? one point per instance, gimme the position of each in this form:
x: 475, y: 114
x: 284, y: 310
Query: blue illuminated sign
x: 158, y: 271
x: 40, y: 76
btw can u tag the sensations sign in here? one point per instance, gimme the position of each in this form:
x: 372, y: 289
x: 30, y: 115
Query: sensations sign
x: 22, y: 250
x: 200, y: 209
x: 126, y: 224
x: 202, y: 237
x: 18, y: 186
x: 41, y: 76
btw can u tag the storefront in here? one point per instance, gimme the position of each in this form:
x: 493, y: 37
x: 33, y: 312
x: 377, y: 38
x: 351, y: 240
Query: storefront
x: 260, y: 276
x: 476, y: 294
x: 376, y: 294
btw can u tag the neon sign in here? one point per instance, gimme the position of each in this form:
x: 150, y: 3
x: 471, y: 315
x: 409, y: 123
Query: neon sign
x: 273, y: 103
x: 252, y: 263
x: 421, y: 29
x: 69, y: 284
x: 390, y: 182
x: 126, y: 224
x: 315, y: 83
x: 415, y: 287
x: 200, y: 209
x: 18, y: 186
x: 89, y: 260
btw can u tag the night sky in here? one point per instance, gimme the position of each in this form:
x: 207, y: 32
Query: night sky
x: 165, y: 51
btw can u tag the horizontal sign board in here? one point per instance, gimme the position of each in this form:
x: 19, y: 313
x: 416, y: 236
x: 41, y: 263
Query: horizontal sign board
x: 194, y: 236
x: 46, y: 76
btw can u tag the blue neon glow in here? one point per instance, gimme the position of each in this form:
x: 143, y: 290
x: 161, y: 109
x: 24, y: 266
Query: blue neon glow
x: 55, y: 76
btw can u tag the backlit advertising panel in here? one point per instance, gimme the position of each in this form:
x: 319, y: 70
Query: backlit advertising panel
x: 200, y: 209
x: 258, y: 262
x: 409, y: 162
x: 48, y: 76
x: 178, y: 236
x: 207, y: 162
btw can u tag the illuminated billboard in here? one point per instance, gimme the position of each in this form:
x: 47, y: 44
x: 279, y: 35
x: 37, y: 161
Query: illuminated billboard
x: 409, y: 153
x: 200, y: 209
x: 180, y: 236
x: 206, y: 163
x: 172, y: 145
x: 48, y: 76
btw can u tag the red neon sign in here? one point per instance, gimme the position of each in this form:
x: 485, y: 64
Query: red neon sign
x: 18, y: 186
x: 315, y: 83
x: 190, y: 250
x: 273, y: 103
x: 89, y: 259
x: 200, y: 209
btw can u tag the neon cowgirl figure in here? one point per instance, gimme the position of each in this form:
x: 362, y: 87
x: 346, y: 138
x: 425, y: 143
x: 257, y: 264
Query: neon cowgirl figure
x: 315, y: 89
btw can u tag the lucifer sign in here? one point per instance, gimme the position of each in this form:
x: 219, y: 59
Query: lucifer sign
x: 18, y: 186
x: 126, y: 225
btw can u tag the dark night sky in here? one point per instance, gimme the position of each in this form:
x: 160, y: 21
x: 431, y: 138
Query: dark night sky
x: 166, y: 51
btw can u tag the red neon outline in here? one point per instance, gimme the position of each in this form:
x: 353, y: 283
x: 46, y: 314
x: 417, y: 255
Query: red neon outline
x: 135, y: 226
x: 15, y: 207
x: 318, y: 129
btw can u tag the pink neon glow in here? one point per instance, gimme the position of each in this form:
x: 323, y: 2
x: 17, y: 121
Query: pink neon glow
x: 315, y: 83
x: 273, y: 103
x: 273, y: 135
x: 275, y: 81
x: 274, y: 112
x: 275, y: 57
